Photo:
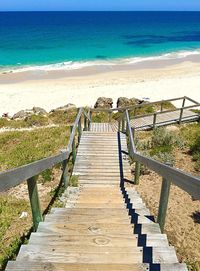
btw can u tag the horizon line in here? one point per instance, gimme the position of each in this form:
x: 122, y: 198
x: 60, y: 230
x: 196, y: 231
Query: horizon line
x: 99, y: 10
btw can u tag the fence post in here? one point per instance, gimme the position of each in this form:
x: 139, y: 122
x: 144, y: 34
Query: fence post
x: 137, y: 172
x: 164, y: 197
x: 35, y: 202
x: 73, y: 148
x: 154, y: 120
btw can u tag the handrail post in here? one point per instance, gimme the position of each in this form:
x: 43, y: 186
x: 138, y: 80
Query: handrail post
x: 85, y: 123
x: 110, y: 116
x: 134, y: 113
x: 35, y: 202
x: 79, y: 130
x: 164, y: 198
x: 161, y: 107
x: 154, y: 120
x: 119, y: 125
x: 73, y: 149
x: 65, y: 171
x: 90, y: 114
x: 137, y: 172
x: 123, y: 122
x: 181, y: 112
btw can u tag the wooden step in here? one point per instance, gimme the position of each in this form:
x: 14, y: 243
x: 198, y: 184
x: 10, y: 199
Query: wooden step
x: 74, y: 240
x: 23, y: 265
x: 54, y: 249
x: 49, y: 254
x: 80, y: 229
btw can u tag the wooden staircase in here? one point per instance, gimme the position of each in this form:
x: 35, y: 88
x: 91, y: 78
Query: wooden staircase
x: 105, y: 225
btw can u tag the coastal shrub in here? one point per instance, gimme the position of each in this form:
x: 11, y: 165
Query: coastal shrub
x: 46, y: 176
x: 63, y: 117
x: 195, y: 151
x: 100, y: 117
x: 36, y: 120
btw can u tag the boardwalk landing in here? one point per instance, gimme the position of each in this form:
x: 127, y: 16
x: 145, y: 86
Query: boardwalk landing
x: 105, y: 225
x: 168, y: 118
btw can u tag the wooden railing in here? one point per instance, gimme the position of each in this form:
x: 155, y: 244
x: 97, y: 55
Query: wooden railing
x: 185, y: 181
x: 135, y: 108
x: 161, y: 112
x: 29, y: 172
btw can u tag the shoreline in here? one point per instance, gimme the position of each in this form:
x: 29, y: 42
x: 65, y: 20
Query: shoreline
x: 84, y: 68
x: 57, y: 88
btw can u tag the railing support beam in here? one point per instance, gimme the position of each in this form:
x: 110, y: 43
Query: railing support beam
x: 85, y: 123
x: 65, y: 172
x: 164, y: 198
x: 154, y: 120
x: 35, y: 202
x: 137, y: 172
x: 79, y: 131
x: 73, y: 149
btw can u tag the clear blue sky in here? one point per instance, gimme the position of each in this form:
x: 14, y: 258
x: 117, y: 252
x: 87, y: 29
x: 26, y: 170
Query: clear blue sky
x: 50, y: 5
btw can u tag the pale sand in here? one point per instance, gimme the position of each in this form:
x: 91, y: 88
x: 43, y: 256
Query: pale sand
x: 56, y: 88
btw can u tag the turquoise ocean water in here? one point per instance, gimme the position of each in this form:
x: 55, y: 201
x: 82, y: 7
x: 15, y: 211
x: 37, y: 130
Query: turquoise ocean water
x: 67, y: 39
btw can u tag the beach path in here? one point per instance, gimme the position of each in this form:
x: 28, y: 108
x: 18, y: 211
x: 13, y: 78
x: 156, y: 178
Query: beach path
x: 105, y: 225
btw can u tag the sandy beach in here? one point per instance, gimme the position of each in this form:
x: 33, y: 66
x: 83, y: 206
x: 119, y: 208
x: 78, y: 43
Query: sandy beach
x: 82, y: 87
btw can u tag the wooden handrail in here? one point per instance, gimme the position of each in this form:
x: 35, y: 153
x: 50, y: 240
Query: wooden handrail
x: 16, y: 176
x: 123, y: 109
x: 167, y: 111
x: 185, y: 181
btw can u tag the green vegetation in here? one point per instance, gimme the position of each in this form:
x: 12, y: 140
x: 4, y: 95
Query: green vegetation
x: 150, y: 109
x: 161, y: 145
x: 191, y: 133
x: 11, y: 225
x: 19, y: 148
x: 63, y: 117
x: 54, y: 118
x: 73, y: 181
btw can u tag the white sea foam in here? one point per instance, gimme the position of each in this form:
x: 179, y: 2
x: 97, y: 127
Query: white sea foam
x: 75, y: 65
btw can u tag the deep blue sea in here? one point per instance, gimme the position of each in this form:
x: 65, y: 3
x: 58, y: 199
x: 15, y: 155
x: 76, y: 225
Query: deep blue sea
x: 65, y: 38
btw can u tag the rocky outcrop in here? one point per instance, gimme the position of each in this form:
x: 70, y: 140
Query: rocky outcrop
x: 22, y: 114
x: 124, y: 102
x: 39, y: 111
x: 64, y: 108
x: 103, y: 102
